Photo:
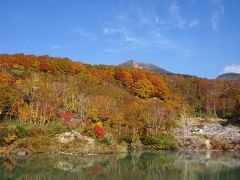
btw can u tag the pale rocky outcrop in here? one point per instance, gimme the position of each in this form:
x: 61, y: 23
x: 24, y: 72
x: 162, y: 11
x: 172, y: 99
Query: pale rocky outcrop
x: 74, y: 135
x: 198, y: 135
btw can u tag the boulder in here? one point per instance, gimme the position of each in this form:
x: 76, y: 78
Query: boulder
x: 74, y: 135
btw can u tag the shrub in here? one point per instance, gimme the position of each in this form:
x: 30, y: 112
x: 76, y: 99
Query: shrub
x: 167, y: 141
x: 57, y: 128
x: 88, y: 131
x: 148, y: 141
x: 7, y: 136
x: 3, y: 134
x: 67, y: 116
x: 105, y: 140
x: 106, y: 122
x: 10, y: 138
x: 22, y: 132
x: 99, y: 131
x: 43, y: 67
x: 126, y: 139
x: 163, y: 142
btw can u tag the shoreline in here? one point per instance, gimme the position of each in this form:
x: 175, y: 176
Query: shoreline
x: 193, y: 136
x: 25, y: 152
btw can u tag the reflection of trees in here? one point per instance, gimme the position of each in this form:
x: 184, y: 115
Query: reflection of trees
x: 146, y: 165
x: 209, y: 165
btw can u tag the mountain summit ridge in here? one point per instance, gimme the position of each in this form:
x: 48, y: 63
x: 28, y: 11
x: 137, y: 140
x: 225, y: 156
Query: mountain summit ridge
x: 229, y: 76
x: 151, y: 67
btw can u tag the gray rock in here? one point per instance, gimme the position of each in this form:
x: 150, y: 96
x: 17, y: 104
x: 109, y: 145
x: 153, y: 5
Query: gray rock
x: 193, y: 137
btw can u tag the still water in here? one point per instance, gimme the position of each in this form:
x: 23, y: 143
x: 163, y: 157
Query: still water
x: 141, y: 165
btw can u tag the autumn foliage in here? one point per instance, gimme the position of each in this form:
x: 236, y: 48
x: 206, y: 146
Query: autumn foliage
x: 132, y: 101
x: 99, y: 130
x: 67, y: 116
x: 142, y: 83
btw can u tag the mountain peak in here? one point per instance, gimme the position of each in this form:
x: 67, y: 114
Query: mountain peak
x: 133, y: 63
x: 151, y: 67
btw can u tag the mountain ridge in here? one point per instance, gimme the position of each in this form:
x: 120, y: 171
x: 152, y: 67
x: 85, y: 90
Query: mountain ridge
x: 229, y: 76
x: 148, y: 66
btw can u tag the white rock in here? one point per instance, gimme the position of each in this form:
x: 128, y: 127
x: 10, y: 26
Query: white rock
x: 71, y: 136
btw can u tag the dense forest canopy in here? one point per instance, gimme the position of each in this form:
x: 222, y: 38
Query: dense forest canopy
x: 40, y: 89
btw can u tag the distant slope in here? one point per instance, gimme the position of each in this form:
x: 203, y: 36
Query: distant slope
x: 150, y: 67
x: 229, y: 76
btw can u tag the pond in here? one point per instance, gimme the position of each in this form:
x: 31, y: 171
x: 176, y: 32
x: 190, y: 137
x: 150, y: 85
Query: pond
x: 141, y: 165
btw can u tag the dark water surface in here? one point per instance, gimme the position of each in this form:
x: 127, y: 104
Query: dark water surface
x: 141, y: 165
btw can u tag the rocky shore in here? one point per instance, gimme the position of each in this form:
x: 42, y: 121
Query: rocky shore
x: 208, y: 135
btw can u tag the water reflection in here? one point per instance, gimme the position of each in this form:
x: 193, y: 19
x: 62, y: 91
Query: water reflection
x: 142, y: 165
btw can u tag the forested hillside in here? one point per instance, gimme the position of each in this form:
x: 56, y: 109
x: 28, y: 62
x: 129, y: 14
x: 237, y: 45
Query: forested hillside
x: 125, y: 102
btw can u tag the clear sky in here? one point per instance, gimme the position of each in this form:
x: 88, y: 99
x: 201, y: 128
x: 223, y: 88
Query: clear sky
x: 197, y: 37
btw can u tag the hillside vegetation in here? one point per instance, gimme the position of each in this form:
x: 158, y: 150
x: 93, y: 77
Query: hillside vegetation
x: 113, y: 104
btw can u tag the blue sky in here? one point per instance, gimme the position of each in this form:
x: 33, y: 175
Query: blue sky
x: 197, y: 37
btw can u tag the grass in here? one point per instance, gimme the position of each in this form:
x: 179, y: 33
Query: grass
x: 37, y: 138
x: 51, y: 128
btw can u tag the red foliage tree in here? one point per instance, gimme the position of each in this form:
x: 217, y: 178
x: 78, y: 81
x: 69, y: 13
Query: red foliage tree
x: 99, y: 131
x: 43, y: 67
x: 125, y: 77
x: 67, y: 116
